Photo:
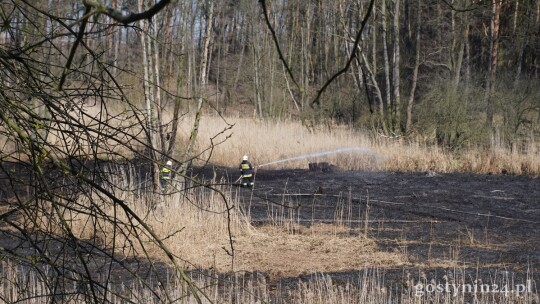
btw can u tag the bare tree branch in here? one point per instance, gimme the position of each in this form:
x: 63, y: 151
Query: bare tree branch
x: 276, y: 43
x: 80, y: 35
x: 129, y: 18
x: 358, y: 37
x: 116, y: 15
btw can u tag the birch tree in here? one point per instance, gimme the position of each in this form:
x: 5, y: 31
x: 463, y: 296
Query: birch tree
x: 203, y: 80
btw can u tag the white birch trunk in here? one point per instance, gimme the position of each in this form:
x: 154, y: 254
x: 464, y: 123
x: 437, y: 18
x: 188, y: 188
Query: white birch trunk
x: 149, y: 100
x: 201, y: 90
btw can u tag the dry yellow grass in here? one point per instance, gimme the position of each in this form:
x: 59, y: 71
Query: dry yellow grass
x: 310, y: 250
x: 266, y: 141
x: 269, y: 141
x: 195, y: 228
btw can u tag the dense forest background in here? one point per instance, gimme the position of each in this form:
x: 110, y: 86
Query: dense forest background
x: 455, y: 72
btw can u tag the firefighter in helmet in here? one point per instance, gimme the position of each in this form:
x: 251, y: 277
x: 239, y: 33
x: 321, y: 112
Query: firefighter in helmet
x: 246, y: 170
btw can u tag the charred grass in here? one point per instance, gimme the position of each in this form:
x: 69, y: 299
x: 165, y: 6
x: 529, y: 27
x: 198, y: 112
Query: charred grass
x: 288, y: 257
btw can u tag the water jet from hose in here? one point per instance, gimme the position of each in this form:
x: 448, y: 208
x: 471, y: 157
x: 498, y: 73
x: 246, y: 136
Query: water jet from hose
x: 324, y: 153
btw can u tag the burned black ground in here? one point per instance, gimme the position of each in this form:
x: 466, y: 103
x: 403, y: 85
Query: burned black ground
x: 482, y: 224
x: 469, y: 225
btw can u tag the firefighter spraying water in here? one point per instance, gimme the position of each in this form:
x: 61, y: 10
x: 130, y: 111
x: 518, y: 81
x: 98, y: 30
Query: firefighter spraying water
x: 246, y: 171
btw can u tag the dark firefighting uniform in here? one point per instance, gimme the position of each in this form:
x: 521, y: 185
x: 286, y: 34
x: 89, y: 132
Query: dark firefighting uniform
x: 246, y: 169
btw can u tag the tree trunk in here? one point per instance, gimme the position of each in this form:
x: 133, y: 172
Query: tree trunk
x: 536, y: 26
x: 385, y: 58
x: 467, y: 66
x: 493, y: 56
x: 520, y: 58
x: 203, y: 80
x: 183, y: 29
x: 461, y: 51
x: 358, y: 75
x: 410, y: 103
x: 148, y: 95
x: 380, y: 101
x: 117, y: 40
x: 157, y: 85
x: 374, y: 86
x: 257, y: 79
x: 176, y: 110
x: 257, y: 57
x: 516, y: 13
x: 396, y: 63
x: 522, y: 41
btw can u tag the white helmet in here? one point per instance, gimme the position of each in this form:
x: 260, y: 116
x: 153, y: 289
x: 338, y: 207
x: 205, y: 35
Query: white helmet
x: 245, y: 157
x: 169, y: 163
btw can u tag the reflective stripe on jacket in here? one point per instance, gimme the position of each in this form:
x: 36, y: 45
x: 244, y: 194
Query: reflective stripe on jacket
x: 246, y: 169
x: 165, y: 173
